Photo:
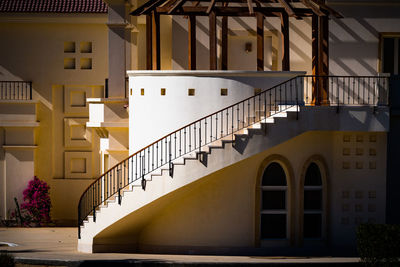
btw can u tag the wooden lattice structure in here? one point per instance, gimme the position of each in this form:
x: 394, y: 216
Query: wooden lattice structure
x: 260, y: 9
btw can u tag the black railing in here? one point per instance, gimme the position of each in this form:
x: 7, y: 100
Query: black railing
x: 222, y: 124
x: 15, y: 90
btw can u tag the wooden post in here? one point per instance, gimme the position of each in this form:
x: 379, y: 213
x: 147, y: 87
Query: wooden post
x: 315, y: 54
x: 285, y: 41
x: 156, y: 41
x: 324, y: 58
x: 224, y: 48
x: 213, y: 40
x: 149, y: 60
x: 192, y: 43
x: 260, y: 41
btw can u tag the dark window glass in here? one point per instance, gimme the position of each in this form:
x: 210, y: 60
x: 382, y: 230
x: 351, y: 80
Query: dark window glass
x: 274, y: 200
x: 274, y: 175
x: 273, y: 225
x: 312, y: 225
x: 312, y: 199
x: 388, y: 55
x: 313, y: 175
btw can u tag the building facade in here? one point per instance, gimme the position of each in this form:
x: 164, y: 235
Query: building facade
x: 293, y: 165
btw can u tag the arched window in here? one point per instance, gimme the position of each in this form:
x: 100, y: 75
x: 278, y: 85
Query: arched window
x: 313, y: 206
x: 274, y: 202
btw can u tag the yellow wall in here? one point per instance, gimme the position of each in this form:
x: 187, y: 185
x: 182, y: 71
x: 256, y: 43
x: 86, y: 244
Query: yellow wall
x: 220, y: 210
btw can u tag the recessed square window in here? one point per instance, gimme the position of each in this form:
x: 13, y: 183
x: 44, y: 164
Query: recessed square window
x: 346, y: 138
x: 191, y: 92
x: 358, y: 208
x: 86, y: 47
x: 371, y: 194
x: 86, y: 63
x: 372, y: 165
x: 372, y: 138
x: 345, y: 194
x: 359, y: 194
x: 163, y: 91
x: 141, y: 91
x: 344, y: 220
x: 372, y: 152
x: 359, y: 138
x: 359, y: 151
x: 359, y: 165
x: 345, y: 207
x: 69, y: 47
x: 224, y: 91
x: 371, y: 208
x: 346, y: 151
x: 257, y: 91
x: 346, y: 165
x: 69, y: 63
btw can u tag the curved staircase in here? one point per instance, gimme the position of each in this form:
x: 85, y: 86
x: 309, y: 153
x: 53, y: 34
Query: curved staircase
x: 192, y: 152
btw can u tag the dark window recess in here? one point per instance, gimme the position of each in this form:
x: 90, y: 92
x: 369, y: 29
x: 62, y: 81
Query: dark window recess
x: 274, y: 175
x: 274, y: 200
x: 273, y: 225
x: 388, y: 55
x: 313, y: 175
x: 312, y: 199
x: 312, y: 225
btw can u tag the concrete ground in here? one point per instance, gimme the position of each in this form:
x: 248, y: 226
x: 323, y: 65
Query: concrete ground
x: 57, y: 247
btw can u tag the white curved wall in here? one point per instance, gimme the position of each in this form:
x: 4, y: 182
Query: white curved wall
x: 152, y: 115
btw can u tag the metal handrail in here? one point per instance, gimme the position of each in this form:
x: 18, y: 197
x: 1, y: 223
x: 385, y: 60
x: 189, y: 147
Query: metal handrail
x: 216, y: 126
x: 15, y: 90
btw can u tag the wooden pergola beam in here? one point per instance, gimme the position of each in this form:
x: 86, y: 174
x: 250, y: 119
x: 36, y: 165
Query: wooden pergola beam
x: 287, y: 7
x: 140, y: 9
x: 156, y: 47
x: 213, y: 40
x: 192, y: 43
x: 285, y: 42
x: 210, y: 7
x: 310, y: 5
x: 260, y: 41
x: 233, y: 11
x: 250, y: 6
x: 330, y: 10
x: 176, y: 6
x: 149, y: 45
x: 224, y: 44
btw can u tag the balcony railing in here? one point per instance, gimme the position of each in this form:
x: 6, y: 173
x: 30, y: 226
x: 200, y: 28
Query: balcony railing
x: 301, y: 90
x: 15, y: 90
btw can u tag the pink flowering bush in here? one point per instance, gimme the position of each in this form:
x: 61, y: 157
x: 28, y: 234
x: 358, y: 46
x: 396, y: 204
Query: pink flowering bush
x: 36, y: 208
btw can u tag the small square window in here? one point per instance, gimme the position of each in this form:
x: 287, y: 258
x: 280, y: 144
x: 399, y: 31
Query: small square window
x: 345, y: 207
x: 346, y: 138
x: 371, y: 208
x: 224, y: 91
x: 345, y: 194
x: 346, y: 165
x: 191, y: 92
x: 163, y: 91
x: 372, y: 152
x: 344, y: 220
x: 372, y: 138
x: 358, y: 220
x: 359, y: 151
x: 372, y: 165
x: 69, y: 47
x: 69, y: 63
x: 346, y: 151
x: 86, y: 47
x: 359, y: 138
x: 141, y: 91
x: 86, y: 63
x: 359, y: 165
x: 371, y: 194
x: 358, y: 208
x: 359, y: 194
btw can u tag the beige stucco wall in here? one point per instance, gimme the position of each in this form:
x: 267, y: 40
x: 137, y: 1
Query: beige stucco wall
x: 220, y: 210
x: 32, y: 49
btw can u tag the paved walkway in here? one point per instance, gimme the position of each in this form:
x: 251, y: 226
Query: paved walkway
x: 57, y: 246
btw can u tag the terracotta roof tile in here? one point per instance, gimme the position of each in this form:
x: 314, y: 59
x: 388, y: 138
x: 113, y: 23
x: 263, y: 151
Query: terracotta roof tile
x: 53, y: 6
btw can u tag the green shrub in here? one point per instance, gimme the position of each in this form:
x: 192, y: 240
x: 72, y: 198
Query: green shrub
x: 379, y: 244
x: 6, y: 260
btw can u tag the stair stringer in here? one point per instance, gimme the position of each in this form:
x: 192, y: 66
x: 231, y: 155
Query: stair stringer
x: 245, y: 146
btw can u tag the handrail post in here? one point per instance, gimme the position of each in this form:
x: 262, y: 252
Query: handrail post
x: 170, y: 165
x: 79, y: 220
x: 30, y: 89
x: 94, y: 207
x: 119, y: 186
